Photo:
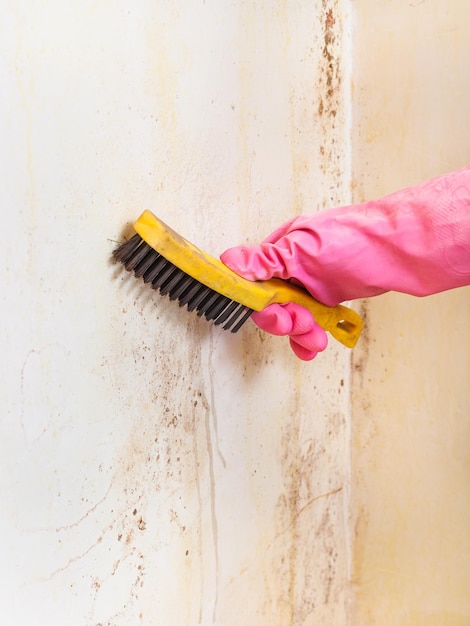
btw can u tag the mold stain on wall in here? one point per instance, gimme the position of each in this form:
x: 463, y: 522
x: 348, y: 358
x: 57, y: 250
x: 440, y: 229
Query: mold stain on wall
x: 307, y: 517
x: 166, y: 469
x: 180, y: 476
x: 316, y: 122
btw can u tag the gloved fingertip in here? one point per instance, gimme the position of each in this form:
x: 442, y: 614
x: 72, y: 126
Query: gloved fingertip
x: 274, y: 319
x: 314, y: 341
x: 238, y: 260
x: 233, y: 257
x: 250, y: 262
x: 302, y: 320
x: 302, y: 353
x: 320, y: 337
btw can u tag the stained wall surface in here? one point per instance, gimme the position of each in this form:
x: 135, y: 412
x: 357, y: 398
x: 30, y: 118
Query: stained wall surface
x: 411, y: 375
x: 154, y: 470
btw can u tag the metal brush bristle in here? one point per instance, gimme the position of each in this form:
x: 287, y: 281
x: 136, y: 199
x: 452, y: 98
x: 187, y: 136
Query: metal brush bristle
x: 137, y: 256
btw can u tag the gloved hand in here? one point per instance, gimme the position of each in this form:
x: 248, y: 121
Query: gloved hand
x: 416, y: 241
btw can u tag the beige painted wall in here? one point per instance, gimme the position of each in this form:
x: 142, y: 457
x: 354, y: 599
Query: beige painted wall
x: 411, y: 374
x: 153, y: 470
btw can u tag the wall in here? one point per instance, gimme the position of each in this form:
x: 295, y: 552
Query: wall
x: 411, y: 404
x: 153, y: 469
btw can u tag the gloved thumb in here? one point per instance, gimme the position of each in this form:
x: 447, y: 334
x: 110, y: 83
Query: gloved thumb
x: 262, y: 263
x: 253, y: 262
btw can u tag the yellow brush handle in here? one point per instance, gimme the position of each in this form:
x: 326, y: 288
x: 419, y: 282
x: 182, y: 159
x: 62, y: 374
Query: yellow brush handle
x: 343, y: 323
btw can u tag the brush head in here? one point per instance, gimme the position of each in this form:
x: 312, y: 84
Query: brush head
x: 146, y: 263
x: 176, y: 267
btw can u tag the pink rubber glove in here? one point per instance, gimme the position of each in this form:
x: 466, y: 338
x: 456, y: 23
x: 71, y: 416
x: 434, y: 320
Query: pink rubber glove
x: 416, y: 241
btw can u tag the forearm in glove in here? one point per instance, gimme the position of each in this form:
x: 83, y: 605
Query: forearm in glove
x: 416, y: 241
